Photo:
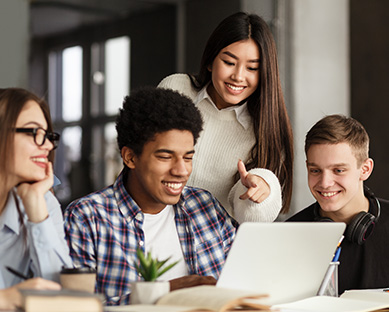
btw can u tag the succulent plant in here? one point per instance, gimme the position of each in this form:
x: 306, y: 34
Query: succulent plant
x: 151, y: 268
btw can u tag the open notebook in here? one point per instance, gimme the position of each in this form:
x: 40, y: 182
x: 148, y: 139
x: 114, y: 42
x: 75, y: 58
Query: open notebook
x: 285, y: 260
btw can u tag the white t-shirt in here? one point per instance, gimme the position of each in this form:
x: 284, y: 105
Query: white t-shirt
x: 162, y: 240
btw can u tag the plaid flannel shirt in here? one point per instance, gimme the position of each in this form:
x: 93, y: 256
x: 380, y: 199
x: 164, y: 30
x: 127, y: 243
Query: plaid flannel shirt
x: 104, y: 229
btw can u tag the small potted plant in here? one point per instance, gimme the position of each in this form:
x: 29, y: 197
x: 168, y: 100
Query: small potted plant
x: 150, y: 290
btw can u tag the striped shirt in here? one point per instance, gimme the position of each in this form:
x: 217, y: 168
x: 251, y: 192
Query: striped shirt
x: 104, y: 229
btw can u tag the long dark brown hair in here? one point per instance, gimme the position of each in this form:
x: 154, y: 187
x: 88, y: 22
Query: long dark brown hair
x: 12, y: 101
x: 273, y: 149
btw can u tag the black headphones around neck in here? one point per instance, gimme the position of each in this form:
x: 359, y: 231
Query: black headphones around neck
x: 362, y: 225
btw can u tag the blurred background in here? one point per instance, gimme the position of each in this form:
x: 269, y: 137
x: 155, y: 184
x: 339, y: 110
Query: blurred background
x: 84, y: 56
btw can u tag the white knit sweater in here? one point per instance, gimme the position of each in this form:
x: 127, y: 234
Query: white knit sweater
x: 221, y: 144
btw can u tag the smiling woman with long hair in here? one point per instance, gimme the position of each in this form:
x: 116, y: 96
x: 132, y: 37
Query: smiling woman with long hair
x: 238, y: 92
x: 32, y: 239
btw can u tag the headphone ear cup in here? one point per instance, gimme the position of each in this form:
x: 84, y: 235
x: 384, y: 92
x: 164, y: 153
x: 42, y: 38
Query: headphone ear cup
x: 360, y: 227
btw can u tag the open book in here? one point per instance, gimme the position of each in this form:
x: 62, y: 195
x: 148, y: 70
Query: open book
x: 199, y: 298
x: 64, y: 300
x: 215, y: 299
x: 349, y: 301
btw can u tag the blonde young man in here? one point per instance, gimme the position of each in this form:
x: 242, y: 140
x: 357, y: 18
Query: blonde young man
x: 338, y: 163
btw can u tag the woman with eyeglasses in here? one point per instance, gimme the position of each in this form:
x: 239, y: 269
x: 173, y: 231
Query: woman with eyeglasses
x: 32, y: 240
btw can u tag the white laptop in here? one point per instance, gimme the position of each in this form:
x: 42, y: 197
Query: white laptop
x: 286, y: 260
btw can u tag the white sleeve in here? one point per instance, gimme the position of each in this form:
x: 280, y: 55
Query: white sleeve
x: 165, y: 83
x: 247, y: 210
x: 175, y: 82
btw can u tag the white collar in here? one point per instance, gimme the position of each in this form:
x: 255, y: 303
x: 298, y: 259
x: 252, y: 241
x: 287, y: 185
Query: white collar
x: 241, y: 111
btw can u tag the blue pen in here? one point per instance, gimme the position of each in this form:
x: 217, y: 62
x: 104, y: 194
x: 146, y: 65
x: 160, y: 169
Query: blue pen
x: 337, y: 254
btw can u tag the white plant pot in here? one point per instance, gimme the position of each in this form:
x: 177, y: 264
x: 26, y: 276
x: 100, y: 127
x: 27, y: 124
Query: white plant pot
x: 148, y: 292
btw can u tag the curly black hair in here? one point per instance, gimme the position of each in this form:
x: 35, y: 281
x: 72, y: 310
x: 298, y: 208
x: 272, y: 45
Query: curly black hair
x: 148, y: 111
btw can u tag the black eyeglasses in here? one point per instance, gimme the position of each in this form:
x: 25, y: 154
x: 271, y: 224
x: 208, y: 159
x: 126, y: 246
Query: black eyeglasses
x: 40, y: 135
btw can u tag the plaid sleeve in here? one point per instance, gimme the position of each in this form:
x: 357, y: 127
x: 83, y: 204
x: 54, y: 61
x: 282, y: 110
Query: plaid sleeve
x: 228, y: 227
x: 213, y: 230
x: 80, y: 233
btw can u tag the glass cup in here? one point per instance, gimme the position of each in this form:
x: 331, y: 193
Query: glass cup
x: 329, y: 286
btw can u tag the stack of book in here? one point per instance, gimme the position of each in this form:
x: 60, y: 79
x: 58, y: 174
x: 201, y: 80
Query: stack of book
x: 64, y: 300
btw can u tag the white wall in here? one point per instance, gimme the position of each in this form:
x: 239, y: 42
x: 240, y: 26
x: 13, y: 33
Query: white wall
x: 264, y: 8
x: 14, y: 38
x: 320, y: 74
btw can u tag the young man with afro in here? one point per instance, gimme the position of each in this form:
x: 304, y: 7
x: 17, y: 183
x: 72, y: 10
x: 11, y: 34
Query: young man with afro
x: 149, y: 206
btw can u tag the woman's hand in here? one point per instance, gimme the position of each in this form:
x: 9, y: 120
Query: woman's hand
x: 10, y: 298
x: 258, y: 189
x: 32, y: 195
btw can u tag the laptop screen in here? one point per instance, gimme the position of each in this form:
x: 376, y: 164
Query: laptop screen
x: 287, y: 261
